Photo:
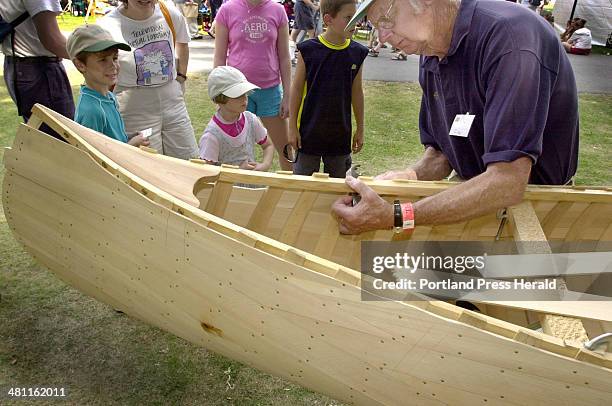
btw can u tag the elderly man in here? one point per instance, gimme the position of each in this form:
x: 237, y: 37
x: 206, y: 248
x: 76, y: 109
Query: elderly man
x: 499, y: 107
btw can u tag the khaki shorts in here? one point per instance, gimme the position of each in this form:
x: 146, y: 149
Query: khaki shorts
x: 163, y: 109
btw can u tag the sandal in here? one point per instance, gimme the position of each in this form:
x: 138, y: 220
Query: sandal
x: 399, y: 57
x: 373, y: 53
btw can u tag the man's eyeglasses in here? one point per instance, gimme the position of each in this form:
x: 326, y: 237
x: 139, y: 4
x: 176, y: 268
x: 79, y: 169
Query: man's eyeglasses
x: 386, y: 21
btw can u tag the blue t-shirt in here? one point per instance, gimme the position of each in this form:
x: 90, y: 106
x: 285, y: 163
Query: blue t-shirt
x: 506, y: 66
x: 324, y: 118
x: 100, y: 113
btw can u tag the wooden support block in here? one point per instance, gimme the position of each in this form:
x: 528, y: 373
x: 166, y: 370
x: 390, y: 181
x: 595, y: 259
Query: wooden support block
x: 219, y: 197
x: 35, y: 121
x: 265, y: 208
x: 531, y: 239
x: 293, y: 226
x: 295, y: 257
x: 320, y: 175
x: 248, y: 237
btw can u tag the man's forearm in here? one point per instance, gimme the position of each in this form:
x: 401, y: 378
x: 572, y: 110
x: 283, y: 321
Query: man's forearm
x: 502, y: 185
x: 433, y: 165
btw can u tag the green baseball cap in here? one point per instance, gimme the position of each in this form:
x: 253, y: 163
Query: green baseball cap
x: 361, y: 11
x: 91, y: 38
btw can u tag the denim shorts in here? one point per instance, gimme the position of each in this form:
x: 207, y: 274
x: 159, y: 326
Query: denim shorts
x: 265, y: 102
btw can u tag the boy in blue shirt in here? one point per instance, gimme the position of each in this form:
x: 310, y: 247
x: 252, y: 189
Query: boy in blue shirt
x: 94, y: 53
x: 327, y: 82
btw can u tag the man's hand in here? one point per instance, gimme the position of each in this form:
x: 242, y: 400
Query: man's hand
x: 357, y: 140
x: 371, y: 213
x: 409, y: 174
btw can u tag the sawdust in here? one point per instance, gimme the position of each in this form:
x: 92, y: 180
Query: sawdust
x: 567, y: 328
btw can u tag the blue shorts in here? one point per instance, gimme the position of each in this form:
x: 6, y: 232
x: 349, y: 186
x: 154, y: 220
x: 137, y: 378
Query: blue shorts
x: 265, y: 102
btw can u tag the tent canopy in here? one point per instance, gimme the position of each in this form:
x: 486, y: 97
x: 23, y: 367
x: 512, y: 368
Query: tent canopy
x: 597, y: 13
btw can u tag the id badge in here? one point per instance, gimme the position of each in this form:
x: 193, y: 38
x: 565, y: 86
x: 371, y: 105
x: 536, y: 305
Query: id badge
x: 462, y: 124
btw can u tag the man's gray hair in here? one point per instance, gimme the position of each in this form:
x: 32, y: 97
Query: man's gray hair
x: 416, y: 5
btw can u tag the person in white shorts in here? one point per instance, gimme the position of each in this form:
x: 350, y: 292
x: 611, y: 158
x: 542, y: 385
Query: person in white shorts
x: 151, y: 83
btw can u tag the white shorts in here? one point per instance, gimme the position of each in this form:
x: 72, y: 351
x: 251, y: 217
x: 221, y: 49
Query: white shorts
x: 163, y: 109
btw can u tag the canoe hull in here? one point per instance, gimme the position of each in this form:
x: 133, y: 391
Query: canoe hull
x: 108, y: 240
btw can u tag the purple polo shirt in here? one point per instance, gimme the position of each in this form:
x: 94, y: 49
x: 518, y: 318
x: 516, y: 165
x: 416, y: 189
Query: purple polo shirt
x: 506, y: 66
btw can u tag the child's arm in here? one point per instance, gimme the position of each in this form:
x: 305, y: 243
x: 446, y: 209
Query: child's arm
x: 268, y: 155
x: 358, y: 110
x: 297, y: 90
x: 138, y: 140
x: 282, y: 44
x: 209, y: 148
x: 221, y: 40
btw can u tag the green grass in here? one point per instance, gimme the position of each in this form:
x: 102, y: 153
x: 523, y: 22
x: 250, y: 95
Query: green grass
x: 67, y: 22
x: 600, y: 50
x: 52, y: 335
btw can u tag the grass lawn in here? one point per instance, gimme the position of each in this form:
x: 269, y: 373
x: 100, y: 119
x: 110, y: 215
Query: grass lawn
x: 67, y: 22
x: 51, y: 335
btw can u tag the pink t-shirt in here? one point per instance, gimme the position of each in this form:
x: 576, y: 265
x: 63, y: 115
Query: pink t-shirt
x: 253, y: 31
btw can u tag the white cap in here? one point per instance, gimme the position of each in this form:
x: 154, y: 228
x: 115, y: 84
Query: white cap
x: 228, y: 81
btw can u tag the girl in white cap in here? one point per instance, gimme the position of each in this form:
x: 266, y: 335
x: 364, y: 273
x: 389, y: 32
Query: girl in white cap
x: 231, y: 134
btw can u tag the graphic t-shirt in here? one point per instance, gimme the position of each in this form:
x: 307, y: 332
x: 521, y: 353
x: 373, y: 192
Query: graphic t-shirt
x: 253, y: 32
x: 151, y: 62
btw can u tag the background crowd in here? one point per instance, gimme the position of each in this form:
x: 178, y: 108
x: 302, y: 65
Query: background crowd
x: 145, y: 82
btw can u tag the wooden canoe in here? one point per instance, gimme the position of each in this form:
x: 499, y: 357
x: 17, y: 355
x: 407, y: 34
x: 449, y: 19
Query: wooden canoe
x: 262, y: 275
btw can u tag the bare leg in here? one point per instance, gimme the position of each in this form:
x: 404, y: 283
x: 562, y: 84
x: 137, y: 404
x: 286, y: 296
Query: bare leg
x: 294, y: 34
x: 277, y: 130
x: 567, y: 46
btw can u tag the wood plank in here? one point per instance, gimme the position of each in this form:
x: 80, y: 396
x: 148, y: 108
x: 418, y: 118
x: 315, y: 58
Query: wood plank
x: 326, y: 243
x: 296, y: 219
x: 555, y: 216
x: 596, y: 212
